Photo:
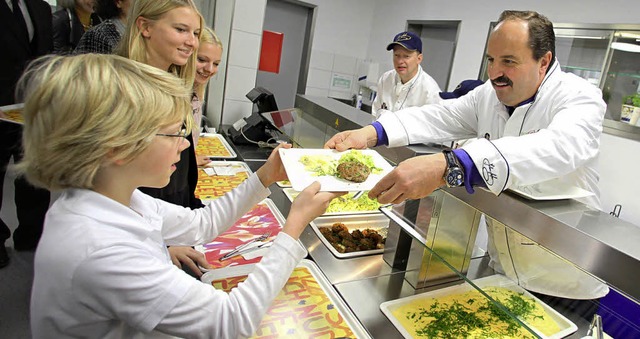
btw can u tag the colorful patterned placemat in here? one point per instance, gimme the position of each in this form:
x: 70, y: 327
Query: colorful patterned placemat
x: 211, y: 187
x: 261, y: 218
x: 214, y: 145
x: 12, y: 113
x: 301, y: 310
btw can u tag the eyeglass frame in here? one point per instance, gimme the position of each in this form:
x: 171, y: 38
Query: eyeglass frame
x: 183, y: 133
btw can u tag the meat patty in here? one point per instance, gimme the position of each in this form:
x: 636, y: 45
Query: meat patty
x: 353, y: 171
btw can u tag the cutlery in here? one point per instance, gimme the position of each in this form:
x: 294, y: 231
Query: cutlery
x: 243, y: 246
x: 357, y: 195
x: 251, y: 249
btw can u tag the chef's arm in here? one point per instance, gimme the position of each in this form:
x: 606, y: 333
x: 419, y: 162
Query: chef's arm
x: 472, y: 176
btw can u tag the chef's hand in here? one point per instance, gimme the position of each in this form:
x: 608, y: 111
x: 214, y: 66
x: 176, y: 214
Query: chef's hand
x: 273, y: 170
x: 185, y: 255
x: 308, y: 205
x: 413, y: 178
x: 2, y: 115
x: 358, y: 138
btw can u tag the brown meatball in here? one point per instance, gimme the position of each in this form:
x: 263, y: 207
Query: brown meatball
x: 345, y: 235
x: 339, y: 227
x: 325, y: 231
x: 357, y: 234
x: 353, y: 171
x: 366, y: 244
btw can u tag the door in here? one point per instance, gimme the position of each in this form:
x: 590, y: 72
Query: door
x: 294, y: 21
x: 438, y: 47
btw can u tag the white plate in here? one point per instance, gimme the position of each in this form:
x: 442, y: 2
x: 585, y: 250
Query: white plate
x: 566, y: 326
x: 300, y: 178
x: 550, y: 190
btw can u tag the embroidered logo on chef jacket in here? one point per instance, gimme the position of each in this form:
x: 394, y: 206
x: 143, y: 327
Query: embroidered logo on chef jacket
x: 487, y: 172
x: 532, y: 131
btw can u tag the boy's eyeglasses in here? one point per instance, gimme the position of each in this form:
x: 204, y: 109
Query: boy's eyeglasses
x: 181, y: 134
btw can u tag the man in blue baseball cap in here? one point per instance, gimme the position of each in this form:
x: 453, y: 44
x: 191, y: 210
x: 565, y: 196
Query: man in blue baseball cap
x: 406, y: 85
x: 463, y: 88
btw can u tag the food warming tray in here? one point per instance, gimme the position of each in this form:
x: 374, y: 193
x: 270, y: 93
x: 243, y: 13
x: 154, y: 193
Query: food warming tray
x: 211, y: 187
x: 291, y: 194
x: 566, y: 326
x: 214, y: 146
x: 376, y: 222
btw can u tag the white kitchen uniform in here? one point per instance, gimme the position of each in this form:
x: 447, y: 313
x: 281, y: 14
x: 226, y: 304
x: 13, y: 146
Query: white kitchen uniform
x: 102, y: 269
x: 555, y: 136
x: 395, y: 95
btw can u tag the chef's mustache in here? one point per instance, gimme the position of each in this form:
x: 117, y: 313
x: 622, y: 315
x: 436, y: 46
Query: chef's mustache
x: 502, y: 79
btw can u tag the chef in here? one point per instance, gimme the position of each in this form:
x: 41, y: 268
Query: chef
x: 406, y: 85
x: 533, y: 123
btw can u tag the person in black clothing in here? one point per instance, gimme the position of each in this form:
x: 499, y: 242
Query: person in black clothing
x: 105, y: 37
x: 70, y: 23
x: 27, y: 35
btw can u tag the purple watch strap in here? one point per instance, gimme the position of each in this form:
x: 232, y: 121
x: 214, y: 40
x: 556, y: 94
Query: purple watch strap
x: 471, y: 174
x: 381, y: 134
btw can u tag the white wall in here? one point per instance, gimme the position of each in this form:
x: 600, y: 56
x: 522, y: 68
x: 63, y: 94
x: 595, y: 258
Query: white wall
x: 618, y: 183
x: 390, y: 17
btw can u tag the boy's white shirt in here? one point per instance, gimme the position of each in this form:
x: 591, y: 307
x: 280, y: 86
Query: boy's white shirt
x: 102, y: 269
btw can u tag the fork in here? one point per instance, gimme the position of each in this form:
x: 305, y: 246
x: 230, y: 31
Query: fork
x: 243, y: 246
x: 357, y: 195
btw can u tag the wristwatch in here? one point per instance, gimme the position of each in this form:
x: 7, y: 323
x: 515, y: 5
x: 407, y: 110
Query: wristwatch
x: 454, y: 175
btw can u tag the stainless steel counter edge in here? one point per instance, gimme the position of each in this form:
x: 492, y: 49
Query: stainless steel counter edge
x: 600, y: 244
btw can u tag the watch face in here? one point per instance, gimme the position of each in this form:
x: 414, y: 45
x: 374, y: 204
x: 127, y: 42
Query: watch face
x: 455, y: 177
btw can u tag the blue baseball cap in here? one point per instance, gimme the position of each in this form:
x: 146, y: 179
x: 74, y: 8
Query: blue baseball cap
x: 408, y: 40
x: 463, y: 88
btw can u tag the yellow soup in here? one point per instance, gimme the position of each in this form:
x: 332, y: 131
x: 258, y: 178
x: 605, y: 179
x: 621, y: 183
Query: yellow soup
x: 472, y: 315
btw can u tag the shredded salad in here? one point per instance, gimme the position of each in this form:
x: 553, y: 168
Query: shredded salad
x: 321, y: 165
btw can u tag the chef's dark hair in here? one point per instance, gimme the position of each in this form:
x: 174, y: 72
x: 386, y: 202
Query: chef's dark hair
x: 542, y: 39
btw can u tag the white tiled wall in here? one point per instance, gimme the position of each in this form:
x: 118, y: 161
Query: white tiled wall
x: 324, y: 66
x: 244, y: 54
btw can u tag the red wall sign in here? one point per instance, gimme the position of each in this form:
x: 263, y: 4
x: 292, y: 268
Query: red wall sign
x: 271, y: 51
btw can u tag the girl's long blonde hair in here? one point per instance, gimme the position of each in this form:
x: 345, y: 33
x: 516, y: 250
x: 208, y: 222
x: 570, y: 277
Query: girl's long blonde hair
x: 132, y: 44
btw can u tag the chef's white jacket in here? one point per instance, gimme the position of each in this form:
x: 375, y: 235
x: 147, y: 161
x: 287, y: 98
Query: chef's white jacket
x: 422, y: 89
x: 555, y: 136
x: 102, y: 269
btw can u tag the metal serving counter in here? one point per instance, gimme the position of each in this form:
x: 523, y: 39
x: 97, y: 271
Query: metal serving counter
x: 593, y: 241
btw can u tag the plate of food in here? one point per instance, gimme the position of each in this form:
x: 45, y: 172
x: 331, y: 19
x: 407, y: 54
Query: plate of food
x: 12, y: 113
x: 462, y: 311
x: 353, y: 170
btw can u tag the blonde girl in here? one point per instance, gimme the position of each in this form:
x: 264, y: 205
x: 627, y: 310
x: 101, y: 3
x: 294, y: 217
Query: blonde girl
x: 208, y: 59
x: 165, y: 34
